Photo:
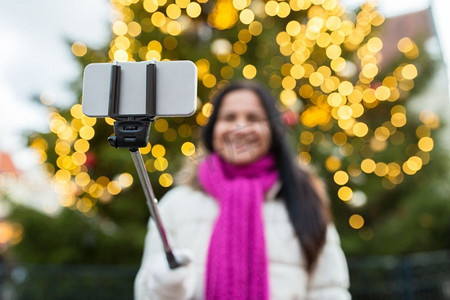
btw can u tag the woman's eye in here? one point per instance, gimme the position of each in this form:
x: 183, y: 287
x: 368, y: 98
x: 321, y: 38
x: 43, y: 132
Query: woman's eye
x: 228, y: 117
x: 255, y: 118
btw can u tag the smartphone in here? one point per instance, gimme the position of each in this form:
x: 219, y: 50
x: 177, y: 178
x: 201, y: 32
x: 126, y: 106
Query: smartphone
x: 176, y: 88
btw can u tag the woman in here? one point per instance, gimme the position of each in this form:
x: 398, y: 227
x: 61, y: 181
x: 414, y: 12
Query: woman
x: 252, y: 224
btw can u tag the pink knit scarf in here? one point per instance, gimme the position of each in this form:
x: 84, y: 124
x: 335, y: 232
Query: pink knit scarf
x: 237, y: 260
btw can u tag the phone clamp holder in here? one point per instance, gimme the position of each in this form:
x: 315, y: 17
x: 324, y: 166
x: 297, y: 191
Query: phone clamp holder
x: 132, y: 132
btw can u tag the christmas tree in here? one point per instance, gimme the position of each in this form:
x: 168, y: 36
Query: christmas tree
x: 347, y: 117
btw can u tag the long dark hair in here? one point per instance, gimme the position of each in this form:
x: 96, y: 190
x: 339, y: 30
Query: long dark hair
x: 308, y: 210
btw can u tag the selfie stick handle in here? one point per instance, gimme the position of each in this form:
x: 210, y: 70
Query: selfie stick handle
x: 132, y: 132
x: 152, y: 205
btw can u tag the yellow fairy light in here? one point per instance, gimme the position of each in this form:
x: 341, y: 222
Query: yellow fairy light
x: 87, y: 132
x: 158, y: 19
x: 382, y: 93
x: 382, y: 133
x: 345, y: 112
x: 122, y: 42
x: 288, y: 98
x: 370, y: 70
x: 207, y: 109
x: 337, y: 37
x: 429, y: 118
x: 62, y: 176
x: 374, y: 45
x: 134, y: 29
x: 289, y: 83
x: 79, y: 158
x: 193, y: 9
x: 62, y: 148
x: 161, y: 164
x: 357, y: 110
x: 201, y: 119
x: 426, y: 144
x: 234, y: 60
x: 114, y: 187
x: 161, y: 125
x: 333, y: 51
x: 339, y: 138
x: 316, y: 78
x: 356, y: 96
x: 255, y: 28
x: 323, y: 40
x: 338, y: 64
x: 423, y: 131
x: 340, y: 177
x: 345, y: 88
x: 170, y: 135
x: 306, y: 91
x: 356, y: 221
x: 103, y: 181
x: 79, y: 49
x: 329, y: 4
x: 293, y: 28
x: 120, y: 28
x: 283, y: 38
x: 368, y: 166
x: 405, y: 45
x: 306, y: 138
x: 390, y: 82
x: 409, y: 71
x: 150, y: 5
x: 297, y: 71
x: 96, y: 191
x: 146, y: 149
x: 414, y: 163
x: 333, y: 23
x: 369, y: 95
x: 209, y: 80
x: 174, y: 28
x: 381, y: 169
x: 283, y: 9
x: 407, y: 170
x: 240, y: 4
x: 188, y: 149
x: 244, y: 36
x: 346, y: 124
x: 271, y: 8
x: 227, y: 72
x: 332, y: 163
x: 125, y: 180
x: 183, y: 3
x: 345, y: 193
x: 249, y: 71
x: 398, y: 119
x: 325, y: 71
x: 173, y: 11
x: 165, y: 180
x: 246, y: 16
x: 335, y: 99
x: 360, y: 129
x: 121, y: 55
x: 394, y: 169
x: 158, y: 151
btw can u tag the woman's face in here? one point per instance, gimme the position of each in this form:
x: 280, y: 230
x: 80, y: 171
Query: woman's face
x: 242, y: 132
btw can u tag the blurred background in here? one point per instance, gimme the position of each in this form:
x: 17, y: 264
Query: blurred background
x: 362, y: 86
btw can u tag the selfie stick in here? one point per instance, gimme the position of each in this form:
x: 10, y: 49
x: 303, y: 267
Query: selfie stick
x: 132, y: 132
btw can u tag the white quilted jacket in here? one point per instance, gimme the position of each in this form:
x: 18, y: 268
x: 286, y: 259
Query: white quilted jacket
x: 189, y: 215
